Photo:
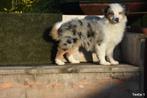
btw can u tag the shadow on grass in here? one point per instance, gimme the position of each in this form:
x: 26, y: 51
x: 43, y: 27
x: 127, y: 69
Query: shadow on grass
x: 53, y: 43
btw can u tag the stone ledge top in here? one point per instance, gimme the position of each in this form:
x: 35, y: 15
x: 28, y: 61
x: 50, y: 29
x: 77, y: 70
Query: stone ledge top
x: 69, y: 68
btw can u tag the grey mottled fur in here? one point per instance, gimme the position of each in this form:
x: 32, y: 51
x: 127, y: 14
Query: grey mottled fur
x: 84, y: 31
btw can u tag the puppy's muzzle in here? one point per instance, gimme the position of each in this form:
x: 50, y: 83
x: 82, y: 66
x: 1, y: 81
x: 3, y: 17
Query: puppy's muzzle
x: 116, y: 19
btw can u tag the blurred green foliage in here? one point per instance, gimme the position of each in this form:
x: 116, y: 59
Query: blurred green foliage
x: 29, y: 6
x: 42, y: 6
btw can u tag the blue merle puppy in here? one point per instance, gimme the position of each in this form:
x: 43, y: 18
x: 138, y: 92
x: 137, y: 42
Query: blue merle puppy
x: 99, y: 35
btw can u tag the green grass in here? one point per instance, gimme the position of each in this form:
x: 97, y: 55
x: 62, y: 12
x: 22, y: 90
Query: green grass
x: 24, y: 38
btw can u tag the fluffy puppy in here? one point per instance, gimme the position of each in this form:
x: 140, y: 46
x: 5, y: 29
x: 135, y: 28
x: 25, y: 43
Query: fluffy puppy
x: 98, y: 35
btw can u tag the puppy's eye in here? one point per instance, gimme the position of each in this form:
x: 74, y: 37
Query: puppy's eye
x: 111, y: 13
x: 121, y: 13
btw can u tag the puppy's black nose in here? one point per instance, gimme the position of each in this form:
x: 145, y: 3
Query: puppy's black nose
x: 117, y: 19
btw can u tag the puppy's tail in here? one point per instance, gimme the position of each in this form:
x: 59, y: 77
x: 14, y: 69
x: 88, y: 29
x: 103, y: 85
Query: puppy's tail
x: 54, y: 32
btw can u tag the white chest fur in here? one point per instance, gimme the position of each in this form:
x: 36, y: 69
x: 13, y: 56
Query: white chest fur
x: 114, y: 32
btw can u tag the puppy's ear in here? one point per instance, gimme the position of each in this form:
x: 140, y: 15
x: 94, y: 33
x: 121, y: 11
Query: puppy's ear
x: 124, y: 7
x: 105, y: 11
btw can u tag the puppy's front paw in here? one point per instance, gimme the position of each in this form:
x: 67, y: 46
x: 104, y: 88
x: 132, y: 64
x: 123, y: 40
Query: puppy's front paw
x: 59, y: 62
x: 105, y: 63
x: 114, y: 62
x: 73, y: 60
